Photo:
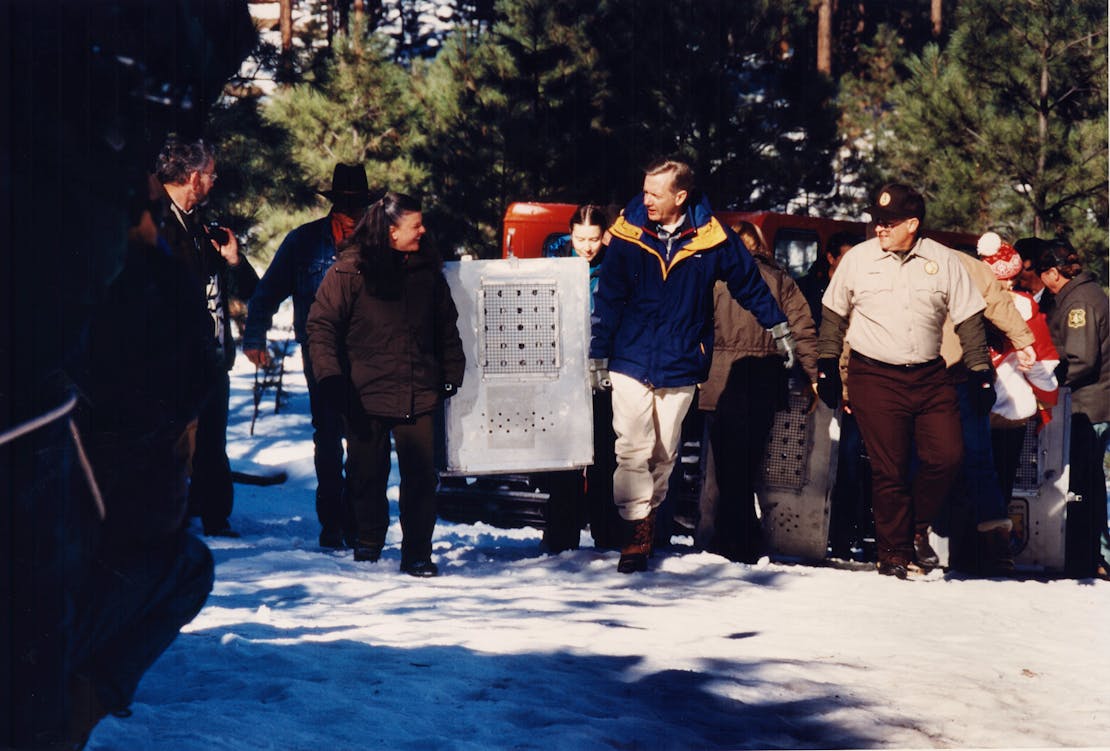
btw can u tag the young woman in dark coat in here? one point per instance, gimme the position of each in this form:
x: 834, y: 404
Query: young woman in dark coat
x: 386, y: 352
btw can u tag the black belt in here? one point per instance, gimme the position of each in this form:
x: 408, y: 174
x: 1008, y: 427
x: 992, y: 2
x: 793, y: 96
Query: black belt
x: 910, y: 366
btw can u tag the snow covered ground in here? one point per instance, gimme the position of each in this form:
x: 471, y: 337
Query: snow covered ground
x: 300, y: 649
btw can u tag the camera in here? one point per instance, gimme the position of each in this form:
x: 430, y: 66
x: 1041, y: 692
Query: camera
x: 216, y: 233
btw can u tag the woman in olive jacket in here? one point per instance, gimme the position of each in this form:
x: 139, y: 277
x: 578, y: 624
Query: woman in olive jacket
x: 386, y: 351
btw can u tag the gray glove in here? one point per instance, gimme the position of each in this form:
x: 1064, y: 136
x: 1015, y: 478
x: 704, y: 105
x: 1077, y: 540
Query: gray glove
x: 599, y: 374
x: 784, y: 342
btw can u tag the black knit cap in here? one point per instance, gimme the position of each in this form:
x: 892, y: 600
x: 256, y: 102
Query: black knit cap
x: 896, y: 201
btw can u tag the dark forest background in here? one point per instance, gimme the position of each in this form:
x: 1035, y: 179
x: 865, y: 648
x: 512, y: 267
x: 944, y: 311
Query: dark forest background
x: 995, y: 109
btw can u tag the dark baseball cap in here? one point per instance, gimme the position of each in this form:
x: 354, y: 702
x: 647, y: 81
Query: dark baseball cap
x: 896, y: 201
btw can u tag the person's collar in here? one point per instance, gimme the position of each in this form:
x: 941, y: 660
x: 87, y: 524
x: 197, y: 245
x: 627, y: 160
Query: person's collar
x: 673, y: 228
x: 181, y: 211
x: 181, y: 214
x: 179, y: 196
x: 915, y: 249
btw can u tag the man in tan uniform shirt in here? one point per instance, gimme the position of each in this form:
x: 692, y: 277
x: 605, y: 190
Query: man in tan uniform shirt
x: 891, y: 296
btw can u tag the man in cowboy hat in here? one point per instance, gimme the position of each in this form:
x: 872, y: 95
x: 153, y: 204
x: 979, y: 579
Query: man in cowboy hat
x: 296, y: 270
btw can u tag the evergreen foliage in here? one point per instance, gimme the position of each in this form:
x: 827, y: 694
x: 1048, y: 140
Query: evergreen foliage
x: 260, y: 187
x: 728, y: 86
x: 360, y: 111
x: 565, y: 100
x: 1006, y: 127
x: 863, y: 101
x: 511, y: 116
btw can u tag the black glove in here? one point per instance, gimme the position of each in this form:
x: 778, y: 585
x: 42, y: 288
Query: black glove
x: 980, y: 391
x: 333, y: 393
x: 829, y: 385
x: 599, y: 374
x: 449, y: 390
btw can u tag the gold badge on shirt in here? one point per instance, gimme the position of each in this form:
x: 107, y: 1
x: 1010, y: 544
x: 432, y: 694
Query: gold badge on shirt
x: 931, y: 267
x: 1077, y: 318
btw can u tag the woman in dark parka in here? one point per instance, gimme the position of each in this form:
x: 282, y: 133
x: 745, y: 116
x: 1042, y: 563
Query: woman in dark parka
x: 386, y: 351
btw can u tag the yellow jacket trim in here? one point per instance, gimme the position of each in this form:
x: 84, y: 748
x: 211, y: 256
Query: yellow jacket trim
x: 708, y: 236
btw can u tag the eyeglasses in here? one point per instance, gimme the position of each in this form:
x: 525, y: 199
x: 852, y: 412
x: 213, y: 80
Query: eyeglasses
x: 890, y: 223
x: 212, y: 176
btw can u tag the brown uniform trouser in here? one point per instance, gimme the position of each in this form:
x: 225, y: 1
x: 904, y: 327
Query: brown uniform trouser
x: 901, y: 410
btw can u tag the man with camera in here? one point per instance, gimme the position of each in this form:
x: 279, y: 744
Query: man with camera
x: 187, y: 172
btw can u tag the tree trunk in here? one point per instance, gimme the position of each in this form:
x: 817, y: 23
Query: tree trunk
x: 1040, y: 190
x: 285, y: 17
x: 936, y: 14
x: 824, y: 37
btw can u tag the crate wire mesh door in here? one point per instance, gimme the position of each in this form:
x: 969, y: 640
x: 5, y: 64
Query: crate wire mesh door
x: 1028, y: 476
x: 798, y: 469
x: 525, y: 403
x: 519, y: 323
x: 786, y: 460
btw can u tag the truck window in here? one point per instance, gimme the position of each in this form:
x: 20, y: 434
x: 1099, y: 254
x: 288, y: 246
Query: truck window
x: 557, y: 245
x: 796, y: 250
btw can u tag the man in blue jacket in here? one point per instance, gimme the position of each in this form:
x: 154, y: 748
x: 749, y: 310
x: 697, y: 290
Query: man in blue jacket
x: 296, y: 270
x: 653, y: 328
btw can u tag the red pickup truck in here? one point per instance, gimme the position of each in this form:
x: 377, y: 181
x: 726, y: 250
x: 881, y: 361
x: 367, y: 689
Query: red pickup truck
x: 536, y: 230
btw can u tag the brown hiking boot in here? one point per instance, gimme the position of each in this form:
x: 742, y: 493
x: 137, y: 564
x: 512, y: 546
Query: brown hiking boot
x: 636, y: 551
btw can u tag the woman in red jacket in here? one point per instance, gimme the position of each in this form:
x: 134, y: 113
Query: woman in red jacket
x: 386, y: 352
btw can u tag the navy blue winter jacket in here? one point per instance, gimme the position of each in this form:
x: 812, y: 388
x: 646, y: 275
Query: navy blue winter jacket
x: 297, y: 269
x: 653, y: 314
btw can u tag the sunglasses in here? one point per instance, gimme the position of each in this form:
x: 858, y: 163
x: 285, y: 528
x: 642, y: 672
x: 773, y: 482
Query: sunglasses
x: 890, y: 223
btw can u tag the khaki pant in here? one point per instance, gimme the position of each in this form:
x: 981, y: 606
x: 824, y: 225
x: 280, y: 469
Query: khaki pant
x: 648, y: 424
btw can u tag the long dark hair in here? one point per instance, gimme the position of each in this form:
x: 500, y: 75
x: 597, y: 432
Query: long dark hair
x: 380, y: 264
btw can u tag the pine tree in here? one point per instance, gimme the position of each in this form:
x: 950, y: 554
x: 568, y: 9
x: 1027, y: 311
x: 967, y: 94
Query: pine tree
x: 864, y: 109
x: 1006, y: 127
x: 261, y: 193
x: 361, y: 110
x: 510, y: 116
x: 729, y: 86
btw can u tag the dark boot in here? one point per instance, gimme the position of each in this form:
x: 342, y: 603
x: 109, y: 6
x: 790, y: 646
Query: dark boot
x: 332, y: 538
x: 638, y: 547
x: 995, y: 553
x: 924, y: 554
x: 422, y: 569
x: 368, y: 550
x: 85, y: 711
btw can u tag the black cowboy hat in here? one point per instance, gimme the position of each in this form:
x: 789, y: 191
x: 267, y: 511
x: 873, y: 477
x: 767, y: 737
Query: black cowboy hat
x: 348, y: 185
